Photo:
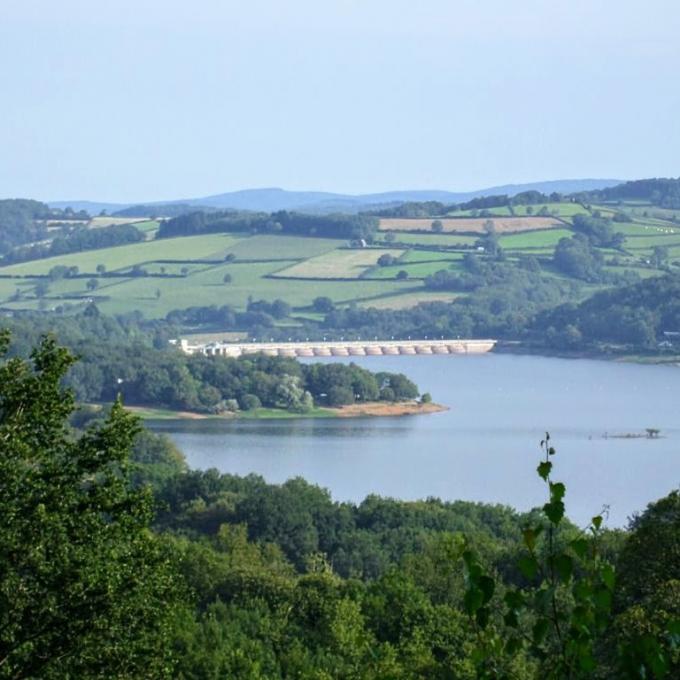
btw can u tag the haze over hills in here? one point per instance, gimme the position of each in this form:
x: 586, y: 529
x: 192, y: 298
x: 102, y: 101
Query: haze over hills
x: 271, y: 199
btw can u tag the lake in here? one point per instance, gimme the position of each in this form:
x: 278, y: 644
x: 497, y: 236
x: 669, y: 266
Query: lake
x: 486, y: 447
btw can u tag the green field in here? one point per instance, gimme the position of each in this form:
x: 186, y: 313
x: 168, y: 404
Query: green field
x: 649, y: 242
x: 558, y: 209
x: 207, y: 288
x: 156, y: 296
x: 643, y: 272
x: 418, y: 270
x: 536, y: 239
x: 429, y: 256
x: 425, y: 239
x: 408, y: 300
x: 646, y: 228
x: 196, y: 276
x: 213, y: 246
x: 338, y: 264
x: 266, y: 247
x: 148, y: 227
x: 190, y: 271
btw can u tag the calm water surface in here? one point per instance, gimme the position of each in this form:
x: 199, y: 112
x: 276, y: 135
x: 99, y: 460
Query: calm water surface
x: 486, y: 447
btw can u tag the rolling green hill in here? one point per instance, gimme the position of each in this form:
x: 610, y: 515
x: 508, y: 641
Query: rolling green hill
x: 218, y: 259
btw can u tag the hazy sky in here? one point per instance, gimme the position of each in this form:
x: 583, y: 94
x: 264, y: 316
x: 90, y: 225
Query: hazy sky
x: 127, y: 100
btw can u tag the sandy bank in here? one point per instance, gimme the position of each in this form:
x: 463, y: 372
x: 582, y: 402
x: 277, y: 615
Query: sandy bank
x: 369, y: 409
x: 381, y: 408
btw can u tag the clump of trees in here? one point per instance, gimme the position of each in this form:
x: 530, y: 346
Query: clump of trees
x: 77, y: 240
x: 350, y: 227
x: 278, y: 309
x: 386, y: 260
x: 599, y: 231
x: 576, y: 257
x: 260, y: 315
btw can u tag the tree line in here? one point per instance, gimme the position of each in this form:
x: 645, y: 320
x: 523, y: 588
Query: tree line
x: 351, y: 227
x: 75, y: 240
x: 662, y: 192
x: 482, y: 204
x: 635, y: 317
x: 24, y: 221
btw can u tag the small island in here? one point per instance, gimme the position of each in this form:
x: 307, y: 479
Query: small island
x: 174, y: 386
x: 370, y: 409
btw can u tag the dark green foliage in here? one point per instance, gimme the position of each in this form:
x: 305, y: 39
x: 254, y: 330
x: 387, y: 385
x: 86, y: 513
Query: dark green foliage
x: 77, y: 240
x: 278, y: 309
x: 249, y: 402
x: 85, y: 589
x: 136, y: 359
x: 155, y: 459
x: 323, y: 305
x: 414, y: 209
x: 634, y: 316
x: 386, y: 260
x: 401, y: 388
x: 576, y: 257
x: 424, y: 612
x: 22, y: 221
x: 600, y: 231
x: 170, y: 379
x: 357, y: 541
x: 647, y: 600
x: 651, y: 555
x: 563, y: 614
x: 502, y: 302
x: 226, y: 317
x: 662, y: 192
x: 328, y: 226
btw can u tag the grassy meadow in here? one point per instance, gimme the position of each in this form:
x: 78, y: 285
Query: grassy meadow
x: 160, y: 275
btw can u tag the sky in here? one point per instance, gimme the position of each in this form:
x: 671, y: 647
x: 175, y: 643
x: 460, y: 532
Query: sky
x: 134, y: 100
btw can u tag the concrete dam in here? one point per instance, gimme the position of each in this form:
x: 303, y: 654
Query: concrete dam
x: 339, y: 348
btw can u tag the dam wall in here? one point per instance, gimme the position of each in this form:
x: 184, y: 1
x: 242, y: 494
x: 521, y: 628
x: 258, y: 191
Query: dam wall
x: 340, y: 348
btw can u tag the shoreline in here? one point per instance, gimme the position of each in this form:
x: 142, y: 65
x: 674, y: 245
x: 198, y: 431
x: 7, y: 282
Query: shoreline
x: 381, y: 409
x: 519, y: 349
x: 374, y: 409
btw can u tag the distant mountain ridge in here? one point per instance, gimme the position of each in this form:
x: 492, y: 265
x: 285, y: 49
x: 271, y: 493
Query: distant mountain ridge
x: 272, y: 199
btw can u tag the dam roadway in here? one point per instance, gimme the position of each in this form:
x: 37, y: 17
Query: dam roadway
x: 340, y: 348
